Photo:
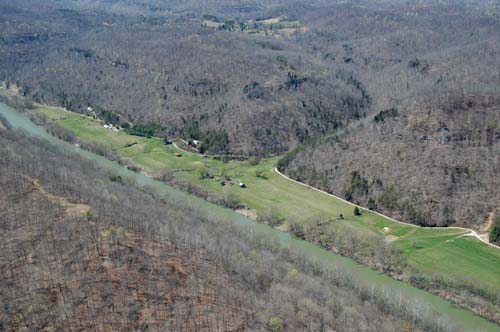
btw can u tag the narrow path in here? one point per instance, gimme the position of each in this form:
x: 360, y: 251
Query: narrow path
x: 470, y: 232
x: 186, y: 151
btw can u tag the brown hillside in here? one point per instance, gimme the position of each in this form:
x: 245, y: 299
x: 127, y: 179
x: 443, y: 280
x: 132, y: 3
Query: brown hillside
x: 60, y: 280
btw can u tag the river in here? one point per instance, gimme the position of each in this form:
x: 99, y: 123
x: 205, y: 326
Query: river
x: 465, y: 320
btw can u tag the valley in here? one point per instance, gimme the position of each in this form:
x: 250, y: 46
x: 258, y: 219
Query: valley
x: 342, y: 268
x: 440, y: 254
x: 248, y: 165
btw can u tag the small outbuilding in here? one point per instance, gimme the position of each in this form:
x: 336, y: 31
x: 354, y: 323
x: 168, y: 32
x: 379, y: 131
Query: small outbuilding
x: 178, y: 155
x: 242, y: 185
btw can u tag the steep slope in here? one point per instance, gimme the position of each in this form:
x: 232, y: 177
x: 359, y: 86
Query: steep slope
x: 428, y: 152
x: 64, y: 270
x: 425, y: 74
x: 251, y: 94
x: 430, y: 167
x: 84, y: 249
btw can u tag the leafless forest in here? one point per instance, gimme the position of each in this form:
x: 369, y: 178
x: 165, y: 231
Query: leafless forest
x: 82, y: 250
x: 391, y: 104
x: 434, y: 161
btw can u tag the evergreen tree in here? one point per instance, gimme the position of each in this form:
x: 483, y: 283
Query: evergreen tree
x: 495, y: 231
x: 357, y: 212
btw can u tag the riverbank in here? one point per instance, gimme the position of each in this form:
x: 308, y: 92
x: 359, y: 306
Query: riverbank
x: 154, y: 152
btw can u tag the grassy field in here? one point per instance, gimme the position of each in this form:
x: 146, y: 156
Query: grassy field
x: 444, y: 252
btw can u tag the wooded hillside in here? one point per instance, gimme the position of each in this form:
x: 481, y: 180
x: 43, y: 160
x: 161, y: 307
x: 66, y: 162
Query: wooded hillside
x: 85, y: 249
x: 409, y: 89
x: 428, y: 151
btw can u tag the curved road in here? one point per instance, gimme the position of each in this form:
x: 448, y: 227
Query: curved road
x: 471, y: 232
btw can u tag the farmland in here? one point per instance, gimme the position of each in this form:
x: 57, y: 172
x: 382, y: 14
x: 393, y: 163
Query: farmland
x: 336, y: 164
x: 442, y: 253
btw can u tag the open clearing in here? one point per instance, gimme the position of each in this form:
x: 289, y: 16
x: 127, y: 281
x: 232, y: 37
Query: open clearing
x: 441, y: 252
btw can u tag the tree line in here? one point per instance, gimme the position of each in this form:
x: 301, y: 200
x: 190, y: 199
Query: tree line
x: 77, y: 243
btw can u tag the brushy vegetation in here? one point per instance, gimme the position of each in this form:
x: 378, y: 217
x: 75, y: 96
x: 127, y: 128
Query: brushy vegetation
x: 5, y: 123
x: 144, y: 130
x: 386, y: 114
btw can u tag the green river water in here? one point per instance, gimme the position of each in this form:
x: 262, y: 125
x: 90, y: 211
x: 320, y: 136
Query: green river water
x: 464, y: 320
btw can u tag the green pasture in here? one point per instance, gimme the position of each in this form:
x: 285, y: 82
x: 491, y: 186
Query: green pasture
x: 443, y: 252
